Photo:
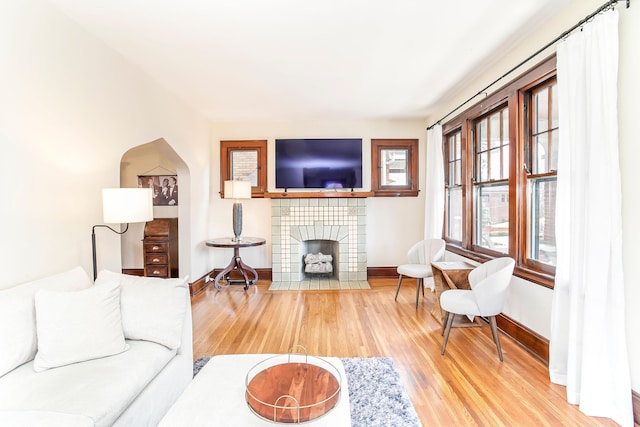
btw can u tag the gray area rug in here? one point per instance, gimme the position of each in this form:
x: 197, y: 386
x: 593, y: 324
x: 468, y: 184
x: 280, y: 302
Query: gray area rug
x: 376, y: 394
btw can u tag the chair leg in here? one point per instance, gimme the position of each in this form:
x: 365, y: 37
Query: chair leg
x: 494, y: 332
x: 417, y: 292
x: 444, y: 322
x: 450, y: 317
x: 422, y: 281
x: 398, y: 289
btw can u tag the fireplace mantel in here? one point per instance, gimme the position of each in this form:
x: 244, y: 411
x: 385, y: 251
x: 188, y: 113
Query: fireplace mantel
x: 318, y: 194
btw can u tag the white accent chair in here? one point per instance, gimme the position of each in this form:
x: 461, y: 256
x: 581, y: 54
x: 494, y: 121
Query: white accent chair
x: 420, y: 256
x: 489, y: 283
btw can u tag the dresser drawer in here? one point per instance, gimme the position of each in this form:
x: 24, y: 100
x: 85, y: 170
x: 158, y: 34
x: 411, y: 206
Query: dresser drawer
x: 156, y: 271
x: 155, y: 247
x: 156, y: 259
x: 160, y: 248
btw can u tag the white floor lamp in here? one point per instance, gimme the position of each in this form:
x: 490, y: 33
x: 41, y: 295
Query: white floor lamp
x: 122, y: 206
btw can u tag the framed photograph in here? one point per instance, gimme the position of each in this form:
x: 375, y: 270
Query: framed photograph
x: 164, y: 187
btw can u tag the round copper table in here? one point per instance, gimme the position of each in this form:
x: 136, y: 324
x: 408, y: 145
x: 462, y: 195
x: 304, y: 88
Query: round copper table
x: 236, y: 262
x: 293, y: 390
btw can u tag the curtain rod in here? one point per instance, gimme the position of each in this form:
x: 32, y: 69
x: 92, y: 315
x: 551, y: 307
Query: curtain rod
x: 608, y: 5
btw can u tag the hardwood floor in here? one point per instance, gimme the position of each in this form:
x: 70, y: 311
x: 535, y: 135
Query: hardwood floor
x: 468, y: 386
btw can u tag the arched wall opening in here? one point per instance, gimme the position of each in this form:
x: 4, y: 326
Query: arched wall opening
x: 159, y: 160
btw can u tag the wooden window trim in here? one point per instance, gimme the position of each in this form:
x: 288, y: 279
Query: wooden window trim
x: 513, y: 94
x: 448, y: 185
x: 226, y: 150
x: 528, y: 264
x: 379, y: 190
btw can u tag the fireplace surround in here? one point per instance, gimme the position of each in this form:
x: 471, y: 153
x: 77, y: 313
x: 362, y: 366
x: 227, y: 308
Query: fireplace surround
x: 296, y: 221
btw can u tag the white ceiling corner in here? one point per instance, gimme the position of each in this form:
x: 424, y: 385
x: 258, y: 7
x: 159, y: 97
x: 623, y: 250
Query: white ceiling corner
x: 292, y: 59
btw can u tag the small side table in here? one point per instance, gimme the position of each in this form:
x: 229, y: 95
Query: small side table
x: 236, y: 262
x: 451, y: 275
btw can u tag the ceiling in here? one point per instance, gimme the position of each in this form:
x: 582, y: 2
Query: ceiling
x: 303, y: 59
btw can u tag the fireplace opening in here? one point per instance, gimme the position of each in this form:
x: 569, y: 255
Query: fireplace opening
x: 320, y: 259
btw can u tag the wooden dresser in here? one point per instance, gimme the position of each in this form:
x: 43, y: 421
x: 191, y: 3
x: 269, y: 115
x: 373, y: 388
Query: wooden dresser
x: 160, y: 246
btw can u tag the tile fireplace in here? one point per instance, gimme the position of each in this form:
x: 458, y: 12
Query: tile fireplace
x: 299, y: 224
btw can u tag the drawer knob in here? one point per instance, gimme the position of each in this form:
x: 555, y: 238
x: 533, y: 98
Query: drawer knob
x: 155, y: 248
x: 156, y: 273
x: 156, y: 260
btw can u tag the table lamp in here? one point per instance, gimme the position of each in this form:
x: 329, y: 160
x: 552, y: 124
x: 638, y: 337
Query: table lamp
x: 237, y: 190
x: 122, y: 206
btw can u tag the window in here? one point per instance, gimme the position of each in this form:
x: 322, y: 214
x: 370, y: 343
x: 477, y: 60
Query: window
x: 491, y: 181
x: 501, y: 173
x: 244, y: 161
x: 453, y: 183
x: 394, y: 167
x: 541, y: 165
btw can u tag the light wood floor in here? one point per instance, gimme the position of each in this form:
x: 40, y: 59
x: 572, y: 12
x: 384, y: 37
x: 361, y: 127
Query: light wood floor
x: 468, y: 386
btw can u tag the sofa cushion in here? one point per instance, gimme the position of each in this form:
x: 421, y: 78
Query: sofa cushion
x: 100, y: 389
x: 43, y: 419
x: 153, y: 309
x: 78, y: 326
x: 17, y: 315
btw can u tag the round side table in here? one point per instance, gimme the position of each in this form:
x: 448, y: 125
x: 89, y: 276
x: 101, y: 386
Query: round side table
x: 236, y: 262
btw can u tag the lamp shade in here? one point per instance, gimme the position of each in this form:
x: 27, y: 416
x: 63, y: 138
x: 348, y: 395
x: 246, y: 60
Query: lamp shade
x: 237, y: 190
x: 126, y: 205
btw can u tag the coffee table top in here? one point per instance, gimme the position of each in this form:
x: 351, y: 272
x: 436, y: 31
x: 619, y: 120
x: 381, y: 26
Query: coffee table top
x: 293, y: 392
x: 216, y: 396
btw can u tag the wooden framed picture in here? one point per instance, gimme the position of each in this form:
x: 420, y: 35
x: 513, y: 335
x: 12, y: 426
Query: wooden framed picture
x: 164, y: 187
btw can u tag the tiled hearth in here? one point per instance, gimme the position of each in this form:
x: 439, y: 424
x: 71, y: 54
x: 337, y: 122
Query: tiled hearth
x: 295, y: 221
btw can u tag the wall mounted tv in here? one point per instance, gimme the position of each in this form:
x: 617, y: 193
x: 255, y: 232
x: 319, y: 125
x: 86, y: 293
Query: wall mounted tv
x: 319, y: 163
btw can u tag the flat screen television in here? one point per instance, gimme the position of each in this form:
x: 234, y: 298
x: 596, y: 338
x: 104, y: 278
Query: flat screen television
x: 319, y: 163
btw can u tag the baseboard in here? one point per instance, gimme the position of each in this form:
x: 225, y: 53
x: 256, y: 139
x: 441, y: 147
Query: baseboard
x: 382, y: 271
x: 635, y: 399
x: 200, y: 284
x: 263, y: 274
x: 534, y: 343
x: 204, y: 281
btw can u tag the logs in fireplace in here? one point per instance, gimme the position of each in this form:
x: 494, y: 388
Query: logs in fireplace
x: 318, y: 264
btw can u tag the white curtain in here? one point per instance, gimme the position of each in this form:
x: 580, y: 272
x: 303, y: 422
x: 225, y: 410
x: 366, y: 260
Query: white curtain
x: 434, y: 192
x: 588, y: 350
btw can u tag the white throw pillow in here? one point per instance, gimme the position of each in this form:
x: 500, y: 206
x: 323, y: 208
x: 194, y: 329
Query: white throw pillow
x: 153, y: 309
x: 17, y: 315
x: 78, y: 326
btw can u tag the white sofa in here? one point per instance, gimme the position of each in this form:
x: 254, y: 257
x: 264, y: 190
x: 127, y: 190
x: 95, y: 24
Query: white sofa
x: 75, y: 354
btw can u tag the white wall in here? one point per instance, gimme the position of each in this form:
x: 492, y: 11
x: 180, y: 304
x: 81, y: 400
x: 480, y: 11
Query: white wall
x: 528, y: 303
x: 393, y: 223
x: 70, y: 109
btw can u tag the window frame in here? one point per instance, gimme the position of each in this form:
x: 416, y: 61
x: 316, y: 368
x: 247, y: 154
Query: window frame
x: 477, y: 184
x: 457, y: 185
x: 513, y: 94
x: 527, y: 177
x: 227, y: 148
x: 409, y: 190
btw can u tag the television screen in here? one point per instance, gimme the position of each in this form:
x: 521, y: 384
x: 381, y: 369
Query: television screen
x: 319, y: 163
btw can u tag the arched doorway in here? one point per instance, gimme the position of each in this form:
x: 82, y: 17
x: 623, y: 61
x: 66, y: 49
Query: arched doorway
x: 159, y: 161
